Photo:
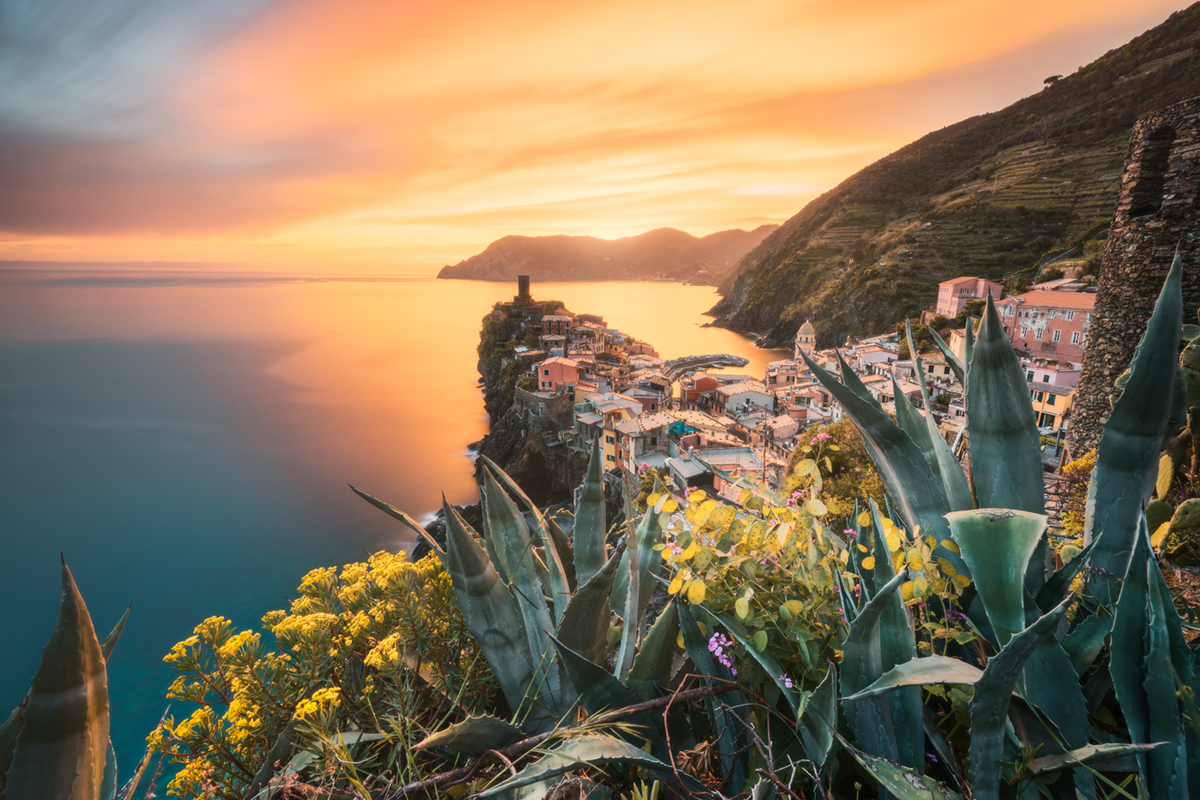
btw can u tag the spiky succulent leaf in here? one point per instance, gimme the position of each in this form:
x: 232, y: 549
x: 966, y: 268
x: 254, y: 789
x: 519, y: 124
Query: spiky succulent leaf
x: 952, y: 361
x: 1006, y: 461
x: 562, y: 546
x: 852, y: 382
x: 1050, y: 683
x: 599, y: 690
x: 492, y: 617
x: 1058, y: 585
x: 507, y: 531
x: 1167, y: 766
x: 1085, y: 642
x: 920, y: 672
x: 946, y: 466
x: 898, y: 644
x: 870, y: 718
x: 110, y: 641
x: 63, y: 742
x: 590, y: 525
x: 906, y: 474
x: 631, y: 622
x: 652, y: 662
x: 108, y: 781
x: 474, y: 735
x: 648, y: 533
x: 592, y: 750
x: 560, y: 585
x: 407, y: 520
x: 997, y: 544
x: 724, y: 709
x: 1127, y: 457
x: 1089, y: 754
x: 901, y: 782
x: 818, y: 718
x: 989, y: 705
x: 584, y: 627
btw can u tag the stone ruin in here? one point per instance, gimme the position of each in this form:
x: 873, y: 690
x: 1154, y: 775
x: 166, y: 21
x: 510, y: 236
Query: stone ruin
x: 1156, y: 212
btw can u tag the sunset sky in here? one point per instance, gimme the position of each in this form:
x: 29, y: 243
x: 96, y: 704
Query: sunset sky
x: 376, y: 135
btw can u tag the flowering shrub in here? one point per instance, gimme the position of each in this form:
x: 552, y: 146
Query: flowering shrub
x: 380, y: 647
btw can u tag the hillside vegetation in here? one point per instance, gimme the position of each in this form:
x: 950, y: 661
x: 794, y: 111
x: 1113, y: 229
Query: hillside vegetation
x: 660, y: 254
x: 994, y: 196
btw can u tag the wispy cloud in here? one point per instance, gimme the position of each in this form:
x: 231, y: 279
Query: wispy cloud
x: 386, y: 130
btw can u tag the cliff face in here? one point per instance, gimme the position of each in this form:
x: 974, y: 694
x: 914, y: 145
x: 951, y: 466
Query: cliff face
x: 661, y: 254
x: 525, y: 446
x: 992, y: 196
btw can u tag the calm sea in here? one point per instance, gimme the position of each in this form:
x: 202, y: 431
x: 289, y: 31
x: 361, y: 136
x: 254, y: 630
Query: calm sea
x: 186, y: 439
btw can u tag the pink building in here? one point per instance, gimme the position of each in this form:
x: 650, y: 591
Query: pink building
x: 556, y: 325
x: 555, y: 373
x: 954, y: 295
x: 1048, y: 323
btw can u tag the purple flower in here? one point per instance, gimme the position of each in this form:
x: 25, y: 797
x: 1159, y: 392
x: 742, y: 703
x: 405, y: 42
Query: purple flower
x: 849, y: 531
x: 954, y: 615
x: 785, y: 680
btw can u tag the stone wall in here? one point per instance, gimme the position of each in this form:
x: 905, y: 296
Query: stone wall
x: 1156, y: 212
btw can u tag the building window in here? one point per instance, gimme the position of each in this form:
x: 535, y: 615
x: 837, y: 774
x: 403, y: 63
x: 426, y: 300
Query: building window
x: 1029, y: 376
x: 1037, y: 397
x: 1070, y: 316
x: 1038, y: 334
x: 653, y: 441
x: 1024, y: 331
x: 610, y: 458
x: 609, y: 439
x: 1046, y: 378
x: 1050, y: 399
x: 1074, y: 337
x: 1057, y: 334
x: 546, y: 371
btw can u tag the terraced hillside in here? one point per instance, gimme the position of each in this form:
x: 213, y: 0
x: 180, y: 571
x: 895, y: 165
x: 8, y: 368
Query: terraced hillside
x: 998, y: 195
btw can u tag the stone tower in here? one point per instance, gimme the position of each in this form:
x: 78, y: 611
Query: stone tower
x: 806, y: 340
x: 1156, y: 211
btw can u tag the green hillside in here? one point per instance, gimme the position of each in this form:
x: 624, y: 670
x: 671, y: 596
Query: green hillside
x: 994, y: 196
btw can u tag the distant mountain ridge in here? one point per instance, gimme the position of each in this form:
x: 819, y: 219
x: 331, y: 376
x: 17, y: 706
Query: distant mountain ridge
x: 993, y: 196
x: 660, y: 254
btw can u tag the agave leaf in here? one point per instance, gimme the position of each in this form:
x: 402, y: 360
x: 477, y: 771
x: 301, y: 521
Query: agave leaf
x: 1050, y: 683
x: 1127, y: 457
x: 63, y: 744
x: 8, y: 740
x: 724, y: 708
x: 584, y: 627
x: 852, y: 382
x: 652, y: 662
x: 599, y: 690
x: 765, y: 660
x: 1167, y: 771
x: 632, y: 623
x: 1006, y: 460
x: 952, y: 361
x: 507, y: 531
x: 818, y: 718
x: 590, y: 525
x: 1083, y: 645
x: 921, y: 672
x: 474, y: 735
x: 396, y: 513
x: 648, y: 534
x: 561, y: 543
x: 110, y: 641
x: 989, y: 705
x: 862, y: 664
x: 901, y: 782
x: 492, y: 617
x: 108, y: 782
x: 1090, y: 754
x: 997, y: 545
x: 560, y: 585
x: 906, y: 474
x: 914, y: 425
x: 897, y: 644
x: 946, y: 466
x: 586, y: 750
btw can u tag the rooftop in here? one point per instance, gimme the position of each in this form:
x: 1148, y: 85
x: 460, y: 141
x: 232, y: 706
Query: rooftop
x: 1041, y: 298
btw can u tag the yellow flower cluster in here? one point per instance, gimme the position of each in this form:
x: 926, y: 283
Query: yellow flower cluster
x: 353, y: 644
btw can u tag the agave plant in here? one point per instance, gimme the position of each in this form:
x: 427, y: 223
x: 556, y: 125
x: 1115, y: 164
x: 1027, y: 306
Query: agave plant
x: 1027, y: 691
x: 538, y: 602
x: 55, y: 745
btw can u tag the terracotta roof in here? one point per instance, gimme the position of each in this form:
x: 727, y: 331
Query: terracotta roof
x: 1040, y: 298
x: 963, y: 279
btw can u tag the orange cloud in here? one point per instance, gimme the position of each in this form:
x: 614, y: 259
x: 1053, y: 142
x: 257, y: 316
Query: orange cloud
x: 386, y: 132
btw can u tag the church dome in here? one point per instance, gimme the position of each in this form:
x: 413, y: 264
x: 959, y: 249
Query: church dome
x: 807, y: 329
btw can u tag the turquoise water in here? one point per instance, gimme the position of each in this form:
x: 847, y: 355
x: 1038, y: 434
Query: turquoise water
x: 186, y: 440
